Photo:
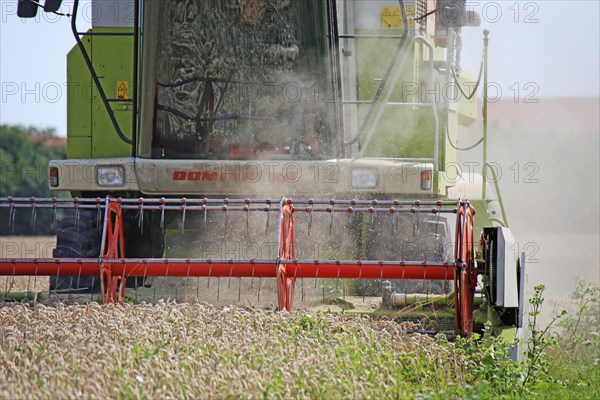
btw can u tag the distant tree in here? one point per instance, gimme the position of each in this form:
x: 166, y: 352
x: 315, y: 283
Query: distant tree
x: 24, y: 157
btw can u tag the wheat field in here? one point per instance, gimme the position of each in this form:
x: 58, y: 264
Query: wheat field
x: 25, y: 247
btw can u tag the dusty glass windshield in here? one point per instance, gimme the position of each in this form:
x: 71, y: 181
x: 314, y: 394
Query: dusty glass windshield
x: 243, y: 79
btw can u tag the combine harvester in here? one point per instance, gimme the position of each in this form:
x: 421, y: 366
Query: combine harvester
x: 285, y: 127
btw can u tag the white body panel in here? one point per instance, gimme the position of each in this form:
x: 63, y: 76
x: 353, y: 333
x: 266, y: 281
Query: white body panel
x: 507, y: 294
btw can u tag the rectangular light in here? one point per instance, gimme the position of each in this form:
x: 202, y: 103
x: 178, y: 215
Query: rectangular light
x: 110, y: 176
x: 364, y: 178
x: 426, y: 180
x: 53, y: 176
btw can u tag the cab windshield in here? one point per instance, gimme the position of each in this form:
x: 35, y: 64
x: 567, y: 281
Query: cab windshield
x: 240, y: 79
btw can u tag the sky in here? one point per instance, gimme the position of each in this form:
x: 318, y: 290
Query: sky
x: 537, y: 49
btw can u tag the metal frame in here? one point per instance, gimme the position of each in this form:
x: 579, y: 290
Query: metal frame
x: 115, y: 268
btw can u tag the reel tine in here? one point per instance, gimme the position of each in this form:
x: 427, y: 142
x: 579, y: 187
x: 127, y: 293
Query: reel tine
x: 247, y: 210
x: 11, y: 222
x: 55, y: 291
x: 166, y: 276
x: 239, y: 289
x: 204, y: 203
x: 99, y: 223
x: 91, y: 291
x: 186, y: 279
x: 183, y: 207
x: 351, y: 211
x: 77, y: 212
x: 11, y: 210
x: 310, y: 216
x: 259, y: 284
x: 55, y: 213
x: 35, y: 276
x: 268, y: 210
x: 330, y: 210
x: 337, y: 280
x: 7, y: 278
x: 141, y: 215
x: 230, y: 274
x: 209, y: 273
x: 155, y: 283
x: 226, y: 209
x: 218, y: 288
x: 162, y: 214
x: 394, y: 211
x: 33, y: 213
x: 197, y: 289
x: 372, y: 210
x: 146, y: 273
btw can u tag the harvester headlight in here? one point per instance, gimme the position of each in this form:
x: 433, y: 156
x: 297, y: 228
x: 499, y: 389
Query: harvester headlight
x: 364, y: 178
x: 110, y: 176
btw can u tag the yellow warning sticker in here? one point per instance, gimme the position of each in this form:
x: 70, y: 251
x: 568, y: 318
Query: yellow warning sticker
x: 391, y: 17
x: 122, y: 90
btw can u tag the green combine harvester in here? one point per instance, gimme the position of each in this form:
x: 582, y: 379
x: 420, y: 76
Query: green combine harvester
x: 280, y: 139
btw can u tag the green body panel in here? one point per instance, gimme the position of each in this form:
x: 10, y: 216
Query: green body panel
x: 86, y: 114
x: 79, y: 147
x: 79, y: 107
x: 481, y: 218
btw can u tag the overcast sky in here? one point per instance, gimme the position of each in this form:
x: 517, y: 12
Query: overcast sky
x: 537, y: 48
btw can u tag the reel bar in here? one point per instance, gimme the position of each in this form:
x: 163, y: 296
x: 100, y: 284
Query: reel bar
x: 177, y: 267
x: 50, y: 202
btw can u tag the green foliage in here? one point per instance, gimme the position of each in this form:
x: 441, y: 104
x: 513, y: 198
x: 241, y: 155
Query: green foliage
x: 489, y: 371
x: 488, y: 367
x: 24, y: 157
x: 539, y: 340
x: 575, y: 357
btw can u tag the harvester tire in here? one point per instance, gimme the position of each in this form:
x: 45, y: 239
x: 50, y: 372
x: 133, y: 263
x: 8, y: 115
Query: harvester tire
x: 77, y: 238
x: 82, y: 239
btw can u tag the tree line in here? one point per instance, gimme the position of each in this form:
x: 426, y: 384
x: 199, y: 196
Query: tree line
x: 24, y: 156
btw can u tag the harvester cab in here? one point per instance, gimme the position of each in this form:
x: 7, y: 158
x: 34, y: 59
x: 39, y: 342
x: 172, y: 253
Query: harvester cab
x: 284, y: 139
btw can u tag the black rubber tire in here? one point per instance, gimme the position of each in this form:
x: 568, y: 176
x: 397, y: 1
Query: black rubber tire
x: 146, y: 243
x: 77, y: 239
x: 82, y: 239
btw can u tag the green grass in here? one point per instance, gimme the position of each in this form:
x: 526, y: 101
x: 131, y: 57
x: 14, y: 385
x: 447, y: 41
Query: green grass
x: 575, y: 373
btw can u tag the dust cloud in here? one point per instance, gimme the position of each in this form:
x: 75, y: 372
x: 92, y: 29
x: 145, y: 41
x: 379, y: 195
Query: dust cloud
x: 548, y: 155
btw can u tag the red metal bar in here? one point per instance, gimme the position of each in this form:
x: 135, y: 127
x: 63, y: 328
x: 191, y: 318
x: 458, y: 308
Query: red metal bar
x: 258, y: 269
